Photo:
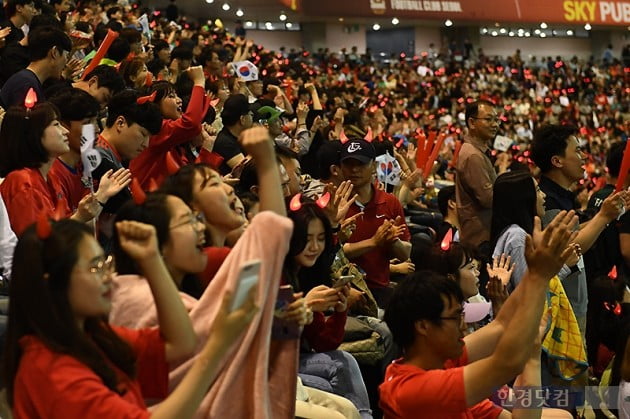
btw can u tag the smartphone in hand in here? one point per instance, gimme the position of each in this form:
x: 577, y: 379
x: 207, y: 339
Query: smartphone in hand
x: 247, y: 279
x: 283, y: 329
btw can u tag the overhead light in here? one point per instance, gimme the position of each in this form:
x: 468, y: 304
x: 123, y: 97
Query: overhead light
x: 484, y: 30
x: 448, y: 23
x: 543, y: 35
x: 543, y: 25
x: 289, y: 25
x: 282, y: 17
x: 554, y: 32
x: 209, y: 1
x: 395, y: 21
x: 496, y: 24
x: 225, y: 7
x: 340, y: 19
x: 376, y: 26
x: 503, y: 31
x: 537, y: 31
x: 521, y: 30
x: 521, y: 34
x: 569, y: 32
x: 511, y: 33
x: 249, y: 23
x: 268, y: 24
x: 527, y: 34
x: 495, y: 33
x: 239, y: 12
x: 588, y: 27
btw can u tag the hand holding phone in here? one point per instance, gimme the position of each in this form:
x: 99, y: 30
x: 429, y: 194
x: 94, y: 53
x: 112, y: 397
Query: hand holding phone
x: 342, y: 281
x: 247, y: 279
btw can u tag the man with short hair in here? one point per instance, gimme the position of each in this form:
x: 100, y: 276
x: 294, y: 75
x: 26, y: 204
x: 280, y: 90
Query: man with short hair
x: 381, y: 233
x: 475, y: 174
x: 49, y: 48
x: 101, y: 83
x: 19, y: 13
x: 556, y: 151
x: 237, y: 116
x: 444, y: 374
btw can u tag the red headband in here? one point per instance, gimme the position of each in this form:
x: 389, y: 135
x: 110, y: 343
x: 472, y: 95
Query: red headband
x: 144, y: 99
x: 31, y: 99
x: 296, y: 202
x: 447, y: 240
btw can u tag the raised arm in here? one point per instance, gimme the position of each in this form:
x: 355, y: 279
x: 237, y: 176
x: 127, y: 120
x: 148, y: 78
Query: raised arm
x: 257, y: 143
x: 546, y: 252
x: 140, y: 242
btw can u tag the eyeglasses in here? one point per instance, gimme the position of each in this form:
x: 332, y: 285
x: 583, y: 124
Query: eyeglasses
x: 104, y: 267
x: 489, y: 119
x: 193, y: 218
x: 459, y: 318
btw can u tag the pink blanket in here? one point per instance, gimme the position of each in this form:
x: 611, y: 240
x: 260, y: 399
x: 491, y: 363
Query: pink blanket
x: 258, y: 379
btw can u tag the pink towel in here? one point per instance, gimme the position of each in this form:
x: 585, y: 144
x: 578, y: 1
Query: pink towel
x: 259, y: 378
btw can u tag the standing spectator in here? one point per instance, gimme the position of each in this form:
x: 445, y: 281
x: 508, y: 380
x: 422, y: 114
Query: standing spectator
x: 476, y: 174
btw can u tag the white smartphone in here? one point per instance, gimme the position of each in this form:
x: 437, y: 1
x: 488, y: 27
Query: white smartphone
x: 247, y: 279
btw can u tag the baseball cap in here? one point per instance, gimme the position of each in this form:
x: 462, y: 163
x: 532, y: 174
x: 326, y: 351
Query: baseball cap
x: 267, y: 112
x: 357, y: 149
x: 235, y: 106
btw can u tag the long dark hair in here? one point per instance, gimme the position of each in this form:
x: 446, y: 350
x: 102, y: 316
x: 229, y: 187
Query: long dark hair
x: 513, y: 202
x: 153, y: 211
x: 304, y: 279
x: 39, y: 307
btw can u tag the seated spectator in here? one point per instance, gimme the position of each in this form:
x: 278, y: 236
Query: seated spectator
x: 100, y: 370
x: 127, y: 130
x: 19, y: 13
x: 447, y: 205
x: 321, y: 365
x: 180, y: 241
x: 381, y: 233
x: 15, y: 56
x: 30, y: 142
x: 77, y: 108
x: 178, y: 128
x: 135, y: 73
x: 237, y: 116
x: 49, y: 48
x: 444, y: 374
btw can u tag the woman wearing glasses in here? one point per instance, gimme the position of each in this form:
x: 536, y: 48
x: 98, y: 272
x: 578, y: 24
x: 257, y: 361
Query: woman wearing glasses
x: 63, y: 359
x: 180, y: 234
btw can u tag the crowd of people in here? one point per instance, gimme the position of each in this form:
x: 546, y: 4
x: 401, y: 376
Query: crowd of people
x: 440, y: 236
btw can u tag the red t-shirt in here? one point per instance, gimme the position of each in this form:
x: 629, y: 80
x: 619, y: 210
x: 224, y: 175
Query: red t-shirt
x: 53, y: 385
x: 216, y: 256
x: 151, y: 163
x: 375, y: 263
x: 27, y: 194
x: 70, y: 183
x: 410, y: 392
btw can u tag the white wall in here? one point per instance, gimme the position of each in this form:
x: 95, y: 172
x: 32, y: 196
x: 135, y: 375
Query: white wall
x: 336, y: 38
x: 565, y: 47
x: 273, y: 40
x: 426, y: 36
